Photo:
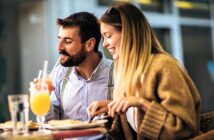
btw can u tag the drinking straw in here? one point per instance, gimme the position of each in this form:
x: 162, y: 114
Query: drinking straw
x: 44, y: 73
x: 39, y: 74
x: 54, y: 68
x: 45, y: 68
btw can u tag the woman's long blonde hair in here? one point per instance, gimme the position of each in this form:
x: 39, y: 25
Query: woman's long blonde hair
x: 138, y: 43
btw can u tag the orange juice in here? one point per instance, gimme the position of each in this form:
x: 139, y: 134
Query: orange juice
x: 40, y: 103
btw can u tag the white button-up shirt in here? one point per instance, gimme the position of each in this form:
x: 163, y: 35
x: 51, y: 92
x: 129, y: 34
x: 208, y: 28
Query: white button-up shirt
x: 78, y: 92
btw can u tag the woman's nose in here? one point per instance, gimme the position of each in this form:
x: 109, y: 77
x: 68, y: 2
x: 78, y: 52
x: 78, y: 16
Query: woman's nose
x: 105, y: 44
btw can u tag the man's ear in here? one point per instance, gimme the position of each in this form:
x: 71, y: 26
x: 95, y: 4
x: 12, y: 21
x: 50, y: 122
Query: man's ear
x: 89, y: 44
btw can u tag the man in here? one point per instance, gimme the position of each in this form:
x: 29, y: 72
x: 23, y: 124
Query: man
x: 83, y: 75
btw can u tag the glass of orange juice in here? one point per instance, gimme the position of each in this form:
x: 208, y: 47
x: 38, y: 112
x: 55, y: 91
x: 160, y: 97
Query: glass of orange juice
x: 40, y: 103
x: 40, y: 97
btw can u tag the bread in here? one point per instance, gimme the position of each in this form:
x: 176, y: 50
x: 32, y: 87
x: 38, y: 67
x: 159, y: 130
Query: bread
x: 9, y: 124
x: 62, y: 122
x: 32, y: 125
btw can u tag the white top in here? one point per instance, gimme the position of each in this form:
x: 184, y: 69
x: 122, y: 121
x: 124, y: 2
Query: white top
x: 131, y: 117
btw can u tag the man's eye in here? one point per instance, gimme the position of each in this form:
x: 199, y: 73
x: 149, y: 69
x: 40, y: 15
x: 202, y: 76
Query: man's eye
x: 68, y: 41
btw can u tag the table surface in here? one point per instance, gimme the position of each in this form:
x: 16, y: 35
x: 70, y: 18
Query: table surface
x: 54, y: 134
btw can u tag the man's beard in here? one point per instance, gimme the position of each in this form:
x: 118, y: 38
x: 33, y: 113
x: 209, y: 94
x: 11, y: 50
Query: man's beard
x: 74, y: 60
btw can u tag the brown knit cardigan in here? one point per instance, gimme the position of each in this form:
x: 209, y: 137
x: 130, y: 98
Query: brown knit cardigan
x: 175, y: 105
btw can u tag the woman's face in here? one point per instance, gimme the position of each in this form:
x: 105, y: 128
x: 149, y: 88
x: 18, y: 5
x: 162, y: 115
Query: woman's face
x: 111, y: 39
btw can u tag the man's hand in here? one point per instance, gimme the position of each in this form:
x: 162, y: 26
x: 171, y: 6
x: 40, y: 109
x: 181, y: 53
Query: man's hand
x: 36, y: 85
x: 97, y: 107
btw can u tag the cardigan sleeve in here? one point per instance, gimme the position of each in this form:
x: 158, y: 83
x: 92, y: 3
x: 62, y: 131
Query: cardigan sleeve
x: 116, y: 131
x: 175, y: 108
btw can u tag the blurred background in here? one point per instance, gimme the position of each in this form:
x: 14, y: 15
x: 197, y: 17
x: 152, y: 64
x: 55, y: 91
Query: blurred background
x: 28, y: 36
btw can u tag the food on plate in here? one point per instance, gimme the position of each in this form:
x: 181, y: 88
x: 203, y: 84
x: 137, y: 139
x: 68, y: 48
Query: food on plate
x: 73, y: 124
x: 62, y: 122
x: 9, y: 125
x: 32, y: 124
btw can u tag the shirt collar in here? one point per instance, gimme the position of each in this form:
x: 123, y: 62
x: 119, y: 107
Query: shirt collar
x: 96, y: 71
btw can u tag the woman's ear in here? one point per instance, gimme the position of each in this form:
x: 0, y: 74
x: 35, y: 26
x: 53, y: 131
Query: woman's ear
x: 89, y: 44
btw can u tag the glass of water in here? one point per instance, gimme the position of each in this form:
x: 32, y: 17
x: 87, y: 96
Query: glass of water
x: 19, y: 112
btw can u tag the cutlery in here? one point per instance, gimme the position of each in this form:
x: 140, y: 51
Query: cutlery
x: 100, y: 117
x: 91, y: 119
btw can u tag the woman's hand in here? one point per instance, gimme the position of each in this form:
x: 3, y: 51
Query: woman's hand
x: 97, y: 107
x: 121, y: 105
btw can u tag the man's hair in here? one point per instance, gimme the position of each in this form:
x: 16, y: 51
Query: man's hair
x: 87, y: 23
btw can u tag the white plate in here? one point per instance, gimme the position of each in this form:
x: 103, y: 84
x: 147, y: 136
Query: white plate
x: 77, y: 126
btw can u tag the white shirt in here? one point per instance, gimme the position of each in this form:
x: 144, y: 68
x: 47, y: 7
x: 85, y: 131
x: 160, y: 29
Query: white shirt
x: 78, y: 92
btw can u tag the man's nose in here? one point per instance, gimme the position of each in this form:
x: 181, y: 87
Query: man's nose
x: 60, y: 45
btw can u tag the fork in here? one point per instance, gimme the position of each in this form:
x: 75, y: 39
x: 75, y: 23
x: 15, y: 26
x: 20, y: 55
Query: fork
x: 99, y: 117
x: 91, y: 119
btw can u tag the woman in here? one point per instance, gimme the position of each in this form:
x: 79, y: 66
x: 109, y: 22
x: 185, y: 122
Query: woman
x: 154, y: 97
